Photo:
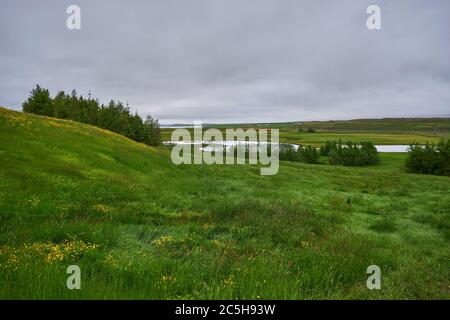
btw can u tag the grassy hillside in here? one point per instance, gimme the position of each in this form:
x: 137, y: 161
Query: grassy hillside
x: 140, y: 227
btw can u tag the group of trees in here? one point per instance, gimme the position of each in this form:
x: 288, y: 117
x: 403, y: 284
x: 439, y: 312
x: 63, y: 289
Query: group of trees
x: 306, y: 130
x: 115, y: 116
x: 429, y: 158
x: 305, y: 154
x: 350, y: 154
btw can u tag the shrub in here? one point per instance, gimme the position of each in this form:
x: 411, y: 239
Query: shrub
x: 308, y: 130
x: 350, y: 154
x: 429, y: 158
x: 305, y: 154
x: 326, y: 148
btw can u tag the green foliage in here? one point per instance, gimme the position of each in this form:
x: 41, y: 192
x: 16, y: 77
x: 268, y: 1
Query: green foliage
x: 308, y: 130
x: 152, y: 131
x: 39, y: 102
x: 350, y: 154
x: 305, y: 154
x: 208, y: 232
x: 327, y: 147
x: 429, y: 158
x: 114, y: 117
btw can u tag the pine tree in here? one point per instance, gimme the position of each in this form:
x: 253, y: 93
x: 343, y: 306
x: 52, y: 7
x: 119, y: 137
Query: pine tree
x: 114, y: 117
x: 39, y: 102
x: 153, y: 131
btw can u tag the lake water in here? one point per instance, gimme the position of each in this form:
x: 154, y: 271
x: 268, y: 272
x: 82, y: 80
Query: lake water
x: 218, y: 145
x: 393, y: 148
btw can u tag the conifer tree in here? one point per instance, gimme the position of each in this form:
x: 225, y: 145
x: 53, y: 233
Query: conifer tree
x: 39, y: 102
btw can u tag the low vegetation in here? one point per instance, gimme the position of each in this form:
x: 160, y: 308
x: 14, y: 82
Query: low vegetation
x: 140, y: 227
x: 429, y: 158
x: 350, y: 154
x: 307, y: 130
x: 306, y: 154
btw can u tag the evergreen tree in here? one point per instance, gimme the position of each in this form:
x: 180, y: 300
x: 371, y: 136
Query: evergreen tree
x: 153, y: 131
x: 39, y: 102
x: 114, y: 117
x: 429, y: 158
x: 60, y: 106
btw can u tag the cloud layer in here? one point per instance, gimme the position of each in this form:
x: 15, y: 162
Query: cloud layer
x: 234, y: 61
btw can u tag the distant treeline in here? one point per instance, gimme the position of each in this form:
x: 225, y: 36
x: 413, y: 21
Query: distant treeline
x: 114, y: 117
x: 350, y: 154
x: 429, y: 158
x: 338, y: 153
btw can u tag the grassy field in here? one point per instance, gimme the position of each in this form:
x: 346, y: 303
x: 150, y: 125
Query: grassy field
x: 140, y: 227
x: 378, y: 125
x: 379, y: 131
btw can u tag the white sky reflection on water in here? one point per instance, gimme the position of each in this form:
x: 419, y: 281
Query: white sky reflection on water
x: 217, y: 145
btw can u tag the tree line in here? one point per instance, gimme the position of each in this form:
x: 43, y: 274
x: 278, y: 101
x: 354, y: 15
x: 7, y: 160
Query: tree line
x: 306, y: 154
x: 429, y: 158
x: 115, y: 116
x: 350, y: 154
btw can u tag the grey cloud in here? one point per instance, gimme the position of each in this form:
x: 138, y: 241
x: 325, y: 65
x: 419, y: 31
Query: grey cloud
x: 223, y: 61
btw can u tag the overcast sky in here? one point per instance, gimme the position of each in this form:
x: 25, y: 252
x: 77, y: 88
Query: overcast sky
x: 233, y: 60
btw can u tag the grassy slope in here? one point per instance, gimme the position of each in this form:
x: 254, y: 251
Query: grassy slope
x: 166, y: 231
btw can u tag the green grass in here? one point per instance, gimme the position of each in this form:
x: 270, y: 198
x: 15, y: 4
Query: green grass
x: 206, y: 232
x: 350, y: 132
x: 379, y: 125
x: 320, y: 138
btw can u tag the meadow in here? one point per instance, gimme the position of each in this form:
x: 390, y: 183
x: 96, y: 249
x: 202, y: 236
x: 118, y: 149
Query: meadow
x: 378, y: 131
x: 141, y: 227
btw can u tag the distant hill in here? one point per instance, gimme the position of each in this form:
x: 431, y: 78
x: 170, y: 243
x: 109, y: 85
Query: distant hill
x: 384, y: 124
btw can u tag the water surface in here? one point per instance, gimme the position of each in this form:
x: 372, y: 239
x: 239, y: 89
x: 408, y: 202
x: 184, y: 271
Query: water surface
x: 218, y: 145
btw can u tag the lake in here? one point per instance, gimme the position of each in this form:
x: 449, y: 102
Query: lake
x: 218, y: 145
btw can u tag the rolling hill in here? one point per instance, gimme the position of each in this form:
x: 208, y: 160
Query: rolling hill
x: 140, y: 227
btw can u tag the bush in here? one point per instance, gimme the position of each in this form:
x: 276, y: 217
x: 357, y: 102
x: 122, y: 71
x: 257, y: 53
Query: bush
x: 308, y: 130
x: 305, y: 154
x: 326, y: 148
x: 429, y: 158
x: 350, y: 154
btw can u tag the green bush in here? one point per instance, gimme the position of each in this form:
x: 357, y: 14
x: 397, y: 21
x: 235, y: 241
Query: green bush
x: 305, y: 154
x: 326, y: 148
x: 350, y: 154
x: 429, y: 158
x: 307, y: 130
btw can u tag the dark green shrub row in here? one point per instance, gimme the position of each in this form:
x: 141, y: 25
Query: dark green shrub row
x: 429, y: 158
x: 305, y: 154
x: 350, y: 154
x: 307, y: 130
